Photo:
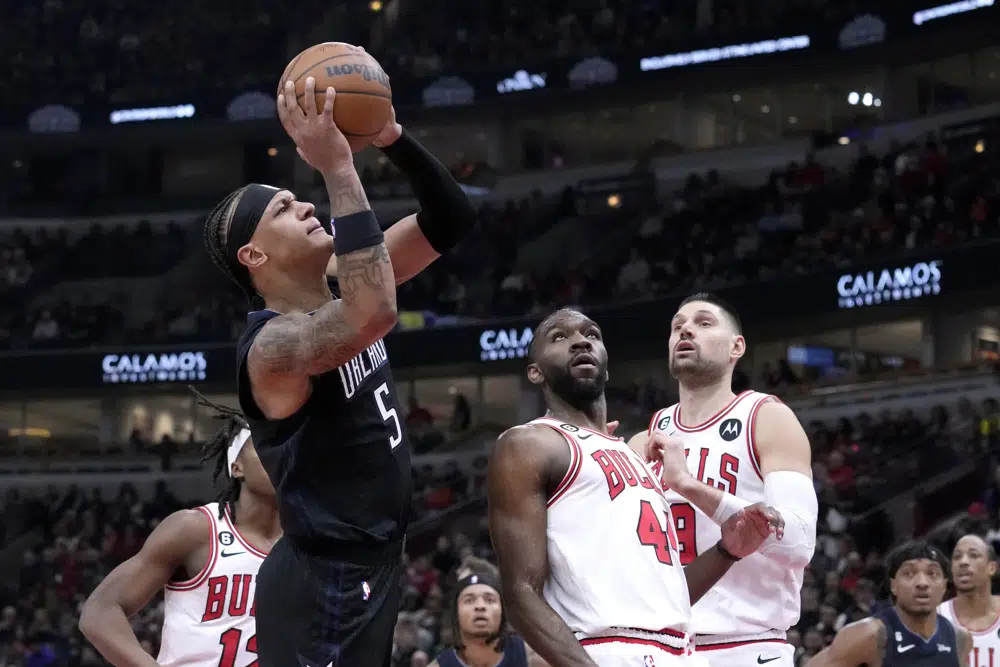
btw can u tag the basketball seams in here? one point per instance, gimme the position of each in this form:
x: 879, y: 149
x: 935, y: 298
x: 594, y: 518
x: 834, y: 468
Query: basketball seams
x: 301, y: 96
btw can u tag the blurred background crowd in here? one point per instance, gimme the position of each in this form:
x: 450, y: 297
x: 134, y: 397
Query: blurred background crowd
x: 812, y: 185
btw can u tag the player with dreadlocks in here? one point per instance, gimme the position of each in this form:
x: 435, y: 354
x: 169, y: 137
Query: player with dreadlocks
x: 480, y: 634
x: 205, y: 560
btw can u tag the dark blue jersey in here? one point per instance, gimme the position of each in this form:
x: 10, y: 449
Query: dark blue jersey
x: 341, y: 464
x: 903, y: 648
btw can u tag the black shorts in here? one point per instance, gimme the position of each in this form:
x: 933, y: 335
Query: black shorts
x: 319, y: 613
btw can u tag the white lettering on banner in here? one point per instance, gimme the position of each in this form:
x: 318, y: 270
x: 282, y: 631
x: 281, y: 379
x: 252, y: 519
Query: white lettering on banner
x: 504, y: 344
x: 952, y: 8
x: 139, y: 368
x: 521, y: 81
x: 730, y: 52
x: 152, y: 113
x: 889, y: 285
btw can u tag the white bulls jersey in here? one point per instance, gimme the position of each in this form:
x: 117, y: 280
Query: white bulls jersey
x: 208, y: 621
x: 615, y: 574
x: 757, y: 597
x: 985, y: 644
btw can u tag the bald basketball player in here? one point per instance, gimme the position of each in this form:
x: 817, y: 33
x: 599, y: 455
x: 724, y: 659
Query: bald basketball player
x: 720, y: 453
x: 974, y: 607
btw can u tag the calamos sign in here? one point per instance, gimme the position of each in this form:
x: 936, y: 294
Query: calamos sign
x: 149, y: 367
x: 504, y: 343
x: 889, y: 285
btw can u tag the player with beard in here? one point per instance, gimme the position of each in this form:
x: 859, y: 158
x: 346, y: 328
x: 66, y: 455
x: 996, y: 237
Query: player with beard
x: 910, y: 633
x: 479, y: 631
x: 581, y: 529
x: 717, y: 453
x: 974, y: 607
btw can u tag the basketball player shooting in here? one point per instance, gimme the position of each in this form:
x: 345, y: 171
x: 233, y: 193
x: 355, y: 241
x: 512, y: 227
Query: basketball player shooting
x: 974, y: 607
x: 583, y: 536
x: 206, y: 562
x: 315, y: 384
x: 910, y: 633
x: 717, y: 453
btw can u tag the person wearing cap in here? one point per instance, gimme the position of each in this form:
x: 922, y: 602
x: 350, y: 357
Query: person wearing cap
x: 911, y: 632
x: 480, y: 634
x: 205, y: 560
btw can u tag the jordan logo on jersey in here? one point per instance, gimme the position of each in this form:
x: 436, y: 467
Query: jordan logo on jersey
x: 357, y: 370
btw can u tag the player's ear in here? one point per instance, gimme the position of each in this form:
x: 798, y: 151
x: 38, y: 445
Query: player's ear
x: 992, y: 568
x: 739, y: 348
x: 535, y: 376
x: 237, y: 469
x: 892, y: 588
x: 251, y: 256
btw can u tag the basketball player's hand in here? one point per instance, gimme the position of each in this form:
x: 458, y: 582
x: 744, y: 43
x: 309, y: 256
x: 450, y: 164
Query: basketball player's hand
x: 669, y: 450
x: 744, y: 532
x: 390, y: 132
x: 612, y: 426
x: 317, y: 139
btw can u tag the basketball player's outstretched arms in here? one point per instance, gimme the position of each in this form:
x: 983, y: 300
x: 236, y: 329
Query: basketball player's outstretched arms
x: 525, y: 466
x: 446, y: 214
x: 180, y: 543
x: 861, y: 643
x: 295, y: 346
x: 785, y: 465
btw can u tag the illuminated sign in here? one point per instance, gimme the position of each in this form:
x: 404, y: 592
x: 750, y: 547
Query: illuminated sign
x: 856, y: 290
x: 521, y: 81
x: 952, y: 8
x: 152, y: 113
x: 504, y: 343
x: 163, y: 367
x: 731, y: 52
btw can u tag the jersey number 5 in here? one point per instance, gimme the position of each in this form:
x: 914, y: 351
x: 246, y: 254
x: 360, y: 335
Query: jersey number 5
x: 230, y: 641
x: 388, y: 414
x: 652, y: 534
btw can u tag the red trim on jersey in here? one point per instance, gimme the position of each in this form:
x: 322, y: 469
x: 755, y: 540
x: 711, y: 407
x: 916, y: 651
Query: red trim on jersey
x: 213, y: 555
x: 239, y: 536
x: 575, y: 462
x: 711, y: 420
x: 724, y: 645
x: 988, y: 631
x: 593, y: 641
x: 752, y: 427
x: 654, y: 420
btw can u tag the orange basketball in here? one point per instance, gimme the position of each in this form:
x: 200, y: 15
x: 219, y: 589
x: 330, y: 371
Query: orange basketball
x: 364, y: 97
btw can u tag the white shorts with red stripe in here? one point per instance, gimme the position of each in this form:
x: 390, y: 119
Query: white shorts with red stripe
x: 636, y: 648
x: 770, y: 652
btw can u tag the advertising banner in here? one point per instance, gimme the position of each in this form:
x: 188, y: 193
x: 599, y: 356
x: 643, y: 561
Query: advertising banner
x: 875, y: 287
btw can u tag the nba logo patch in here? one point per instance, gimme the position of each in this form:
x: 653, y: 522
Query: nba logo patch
x: 648, y: 661
x: 366, y: 590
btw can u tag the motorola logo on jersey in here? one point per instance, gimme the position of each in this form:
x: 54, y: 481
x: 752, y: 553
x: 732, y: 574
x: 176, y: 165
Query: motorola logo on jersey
x: 730, y: 429
x: 504, y: 344
x: 889, y: 285
x: 140, y: 368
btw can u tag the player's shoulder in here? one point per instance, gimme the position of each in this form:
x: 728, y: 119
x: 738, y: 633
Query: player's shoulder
x: 195, y: 525
x: 532, y: 433
x: 872, y: 632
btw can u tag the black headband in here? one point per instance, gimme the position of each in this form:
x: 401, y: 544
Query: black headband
x: 474, y: 579
x: 243, y: 224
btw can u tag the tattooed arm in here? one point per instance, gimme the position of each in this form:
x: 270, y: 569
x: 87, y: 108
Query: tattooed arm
x: 861, y: 643
x: 292, y: 348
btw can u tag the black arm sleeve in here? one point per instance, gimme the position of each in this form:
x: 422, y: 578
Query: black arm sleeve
x: 446, y: 214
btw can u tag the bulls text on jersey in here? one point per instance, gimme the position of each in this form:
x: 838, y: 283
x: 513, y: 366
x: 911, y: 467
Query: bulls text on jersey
x: 357, y: 370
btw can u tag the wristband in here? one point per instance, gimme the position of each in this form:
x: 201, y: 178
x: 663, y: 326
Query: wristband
x: 356, y: 232
x: 725, y: 554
